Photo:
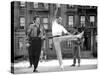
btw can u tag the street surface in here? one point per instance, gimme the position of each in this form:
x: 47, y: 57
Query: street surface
x: 53, y: 66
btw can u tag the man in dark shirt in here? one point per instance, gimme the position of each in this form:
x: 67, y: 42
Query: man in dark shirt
x: 76, y: 48
x: 34, y: 37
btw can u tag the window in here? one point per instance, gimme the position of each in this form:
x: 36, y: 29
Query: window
x: 50, y: 43
x: 45, y: 20
x: 43, y: 5
x: 22, y: 4
x: 92, y: 18
x: 22, y: 12
x: 35, y: 5
x: 70, y: 6
x: 70, y: 21
x: 69, y: 44
x: 46, y: 5
x: 82, y: 20
x: 45, y: 23
x: 22, y: 23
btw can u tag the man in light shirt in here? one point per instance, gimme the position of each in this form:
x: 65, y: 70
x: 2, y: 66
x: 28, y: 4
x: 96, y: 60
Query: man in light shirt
x: 57, y: 31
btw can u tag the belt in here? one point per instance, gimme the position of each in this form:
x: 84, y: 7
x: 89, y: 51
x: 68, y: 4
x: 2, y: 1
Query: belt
x: 57, y: 36
x: 32, y: 38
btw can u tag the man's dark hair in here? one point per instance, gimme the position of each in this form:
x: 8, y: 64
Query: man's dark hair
x: 75, y: 27
x: 34, y: 18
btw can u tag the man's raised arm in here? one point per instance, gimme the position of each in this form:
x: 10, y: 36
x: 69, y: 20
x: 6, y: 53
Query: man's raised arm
x: 57, y: 6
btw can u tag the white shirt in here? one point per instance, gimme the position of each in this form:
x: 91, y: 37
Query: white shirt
x: 57, y: 29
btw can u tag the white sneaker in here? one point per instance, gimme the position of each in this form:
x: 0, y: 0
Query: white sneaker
x: 80, y: 35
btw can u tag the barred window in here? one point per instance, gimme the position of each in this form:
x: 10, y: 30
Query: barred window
x: 70, y: 21
x: 35, y: 5
x: 46, y: 5
x: 45, y: 22
x: 22, y: 4
x: 82, y: 20
x: 92, y: 18
x: 22, y: 23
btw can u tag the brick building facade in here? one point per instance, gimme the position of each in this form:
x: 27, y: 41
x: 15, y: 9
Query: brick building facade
x: 22, y: 14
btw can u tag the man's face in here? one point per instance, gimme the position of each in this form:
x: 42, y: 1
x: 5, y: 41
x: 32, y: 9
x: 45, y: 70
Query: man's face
x: 37, y: 20
x: 59, y: 20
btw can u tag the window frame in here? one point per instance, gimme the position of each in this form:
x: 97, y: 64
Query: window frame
x: 70, y: 21
x: 22, y: 23
x: 84, y: 21
x: 45, y: 24
x: 22, y: 4
x: 90, y: 18
x: 35, y: 3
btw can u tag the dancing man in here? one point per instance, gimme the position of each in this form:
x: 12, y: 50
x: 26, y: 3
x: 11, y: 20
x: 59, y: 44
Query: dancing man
x: 34, y: 36
x: 57, y: 32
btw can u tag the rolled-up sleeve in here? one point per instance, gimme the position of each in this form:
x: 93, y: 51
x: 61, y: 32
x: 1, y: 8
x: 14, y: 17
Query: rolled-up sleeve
x: 64, y: 30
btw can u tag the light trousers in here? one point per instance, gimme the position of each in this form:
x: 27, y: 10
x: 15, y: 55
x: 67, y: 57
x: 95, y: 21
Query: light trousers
x: 57, y: 46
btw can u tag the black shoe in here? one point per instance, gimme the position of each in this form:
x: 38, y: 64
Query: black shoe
x: 35, y: 71
x: 72, y: 65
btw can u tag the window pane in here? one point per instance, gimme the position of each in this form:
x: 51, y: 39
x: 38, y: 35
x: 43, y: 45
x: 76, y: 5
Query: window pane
x: 41, y: 5
x: 70, y: 23
x: 22, y: 4
x: 92, y: 18
x: 22, y: 20
x: 70, y: 18
x: 35, y: 5
x: 22, y: 23
x: 83, y: 18
x: 45, y: 20
x: 46, y: 5
x: 22, y: 12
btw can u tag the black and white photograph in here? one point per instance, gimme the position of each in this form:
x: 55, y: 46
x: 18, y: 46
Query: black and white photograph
x: 53, y: 37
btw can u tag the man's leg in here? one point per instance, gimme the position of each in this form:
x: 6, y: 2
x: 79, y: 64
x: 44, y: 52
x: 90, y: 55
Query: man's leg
x: 74, y: 56
x: 36, y: 63
x: 58, y: 51
x: 37, y: 54
x: 30, y: 56
x: 74, y: 61
x: 79, y: 56
x: 30, y: 60
x: 71, y: 37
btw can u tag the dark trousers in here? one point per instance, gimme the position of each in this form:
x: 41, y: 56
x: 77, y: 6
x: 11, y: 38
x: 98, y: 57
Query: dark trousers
x: 76, y: 54
x: 34, y: 51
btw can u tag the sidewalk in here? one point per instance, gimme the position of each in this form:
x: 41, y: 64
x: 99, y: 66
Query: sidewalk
x: 53, y: 65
